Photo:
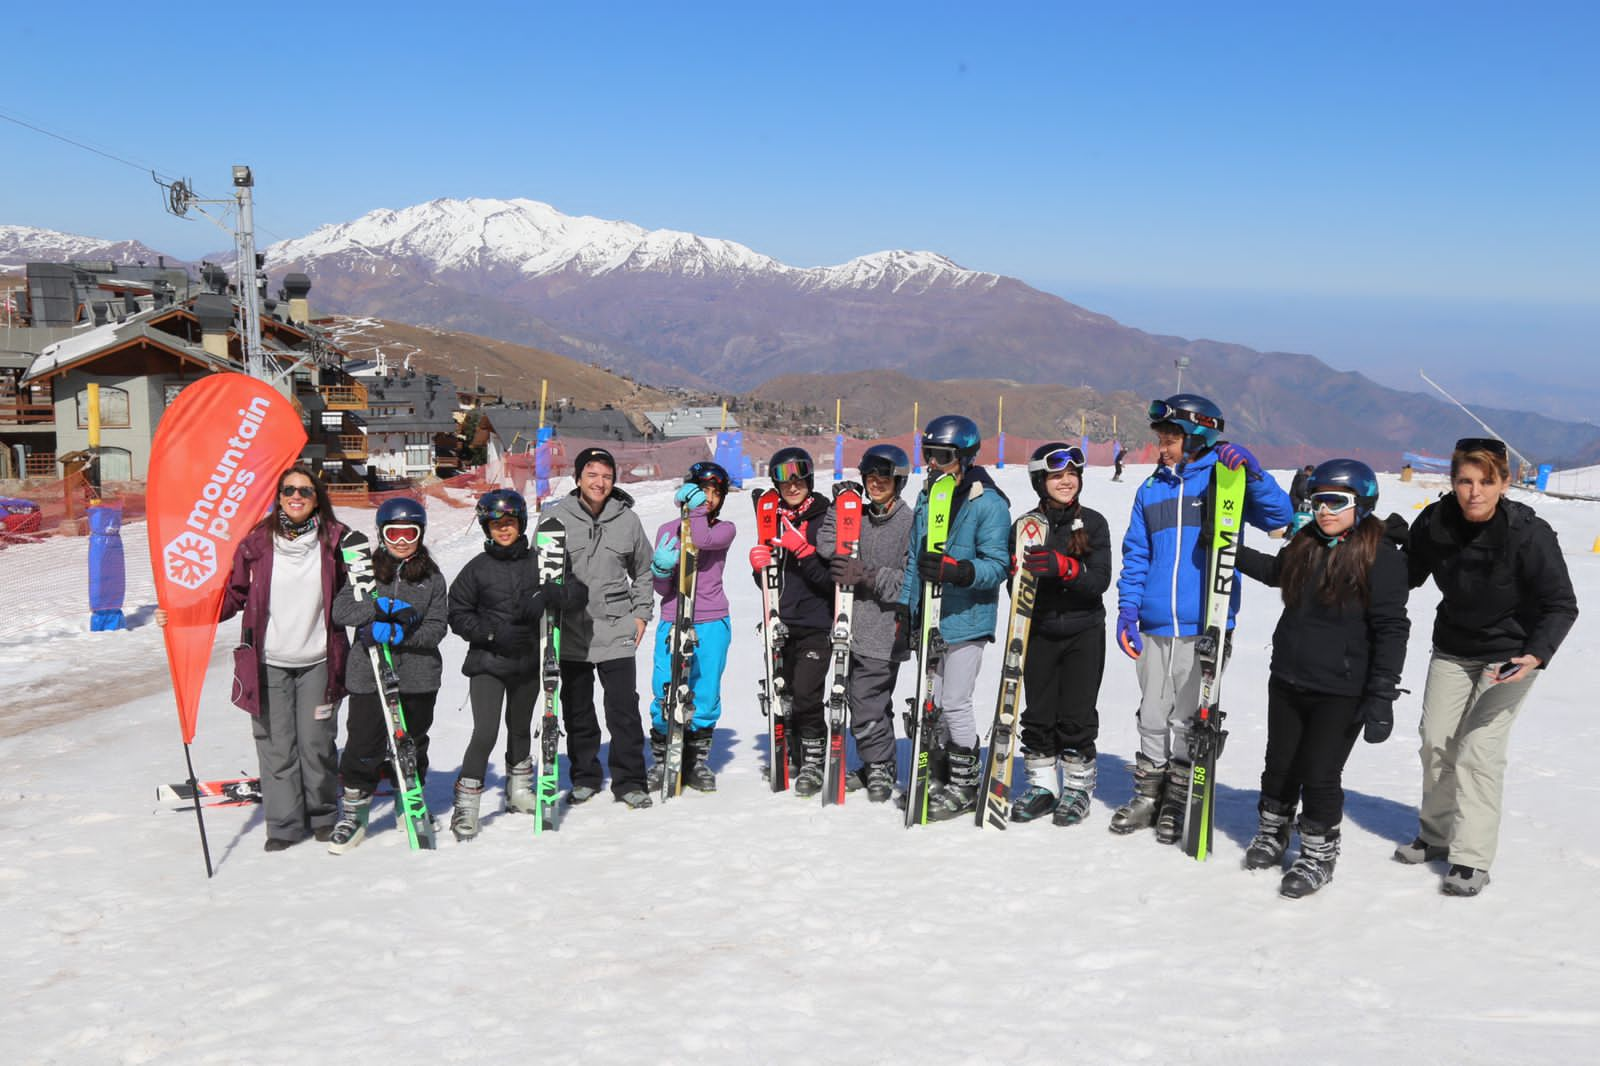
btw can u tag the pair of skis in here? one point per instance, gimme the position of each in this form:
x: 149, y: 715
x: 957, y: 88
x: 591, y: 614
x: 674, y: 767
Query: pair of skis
x: 410, y: 805
x: 847, y: 501
x: 774, y: 694
x: 677, y: 702
x: 922, y: 719
x: 994, y: 788
x: 550, y: 544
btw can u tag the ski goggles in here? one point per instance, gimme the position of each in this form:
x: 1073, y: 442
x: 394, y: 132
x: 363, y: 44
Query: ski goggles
x: 700, y: 473
x: 878, y: 466
x: 400, y: 533
x: 790, y: 470
x: 1491, y: 445
x: 939, y: 454
x: 1068, y: 458
x: 1162, y: 411
x: 1332, y: 502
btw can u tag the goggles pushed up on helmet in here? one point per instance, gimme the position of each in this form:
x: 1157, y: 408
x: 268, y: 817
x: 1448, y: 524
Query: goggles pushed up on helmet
x: 1332, y: 502
x: 1068, y: 458
x: 1162, y: 411
x: 790, y: 470
x: 401, y: 533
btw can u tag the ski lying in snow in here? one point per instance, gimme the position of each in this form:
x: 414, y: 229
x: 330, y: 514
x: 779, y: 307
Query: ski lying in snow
x: 410, y: 805
x: 922, y: 720
x: 677, y: 702
x: 774, y: 696
x: 1206, y: 735
x: 847, y: 500
x: 228, y: 792
x: 550, y: 542
x: 995, y: 786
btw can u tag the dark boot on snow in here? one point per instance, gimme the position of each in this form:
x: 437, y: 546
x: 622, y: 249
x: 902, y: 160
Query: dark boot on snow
x: 697, y: 760
x: 1140, y: 811
x: 960, y: 795
x: 1319, y: 850
x: 1078, y: 776
x: 1039, y: 798
x: 808, y: 781
x: 1272, y: 835
x: 1174, y: 804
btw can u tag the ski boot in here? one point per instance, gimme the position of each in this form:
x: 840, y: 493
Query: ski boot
x: 880, y: 777
x: 1078, y: 776
x: 697, y: 760
x: 464, y: 818
x: 1174, y: 804
x: 1464, y: 881
x: 1039, y: 798
x: 1272, y: 835
x: 658, y: 768
x: 1420, y: 851
x: 520, y: 797
x: 637, y: 799
x: 1140, y: 811
x: 960, y: 795
x: 351, y: 827
x: 1319, y: 850
x: 808, y: 782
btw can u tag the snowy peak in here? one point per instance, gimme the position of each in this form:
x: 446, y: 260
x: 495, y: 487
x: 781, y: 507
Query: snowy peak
x: 20, y: 245
x: 898, y: 271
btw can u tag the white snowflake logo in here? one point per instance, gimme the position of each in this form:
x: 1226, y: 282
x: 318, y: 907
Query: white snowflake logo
x: 190, y: 559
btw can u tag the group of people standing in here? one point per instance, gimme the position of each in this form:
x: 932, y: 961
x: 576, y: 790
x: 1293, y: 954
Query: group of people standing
x: 1338, y: 648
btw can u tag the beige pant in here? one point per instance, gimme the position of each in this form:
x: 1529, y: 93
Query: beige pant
x: 1466, y: 730
x: 1169, y: 694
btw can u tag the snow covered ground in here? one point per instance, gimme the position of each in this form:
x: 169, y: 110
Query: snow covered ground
x: 747, y: 927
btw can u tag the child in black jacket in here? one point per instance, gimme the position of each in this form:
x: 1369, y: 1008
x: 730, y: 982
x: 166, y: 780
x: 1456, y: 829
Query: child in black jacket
x: 1337, y: 654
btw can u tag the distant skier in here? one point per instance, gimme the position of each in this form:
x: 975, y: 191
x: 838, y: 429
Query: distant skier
x: 1161, y: 596
x: 1116, y: 463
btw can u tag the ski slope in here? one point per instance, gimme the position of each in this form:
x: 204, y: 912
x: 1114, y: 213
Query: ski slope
x: 747, y: 927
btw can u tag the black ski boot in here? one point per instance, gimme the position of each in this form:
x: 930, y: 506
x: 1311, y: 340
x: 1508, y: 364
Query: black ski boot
x: 1272, y: 835
x: 1319, y: 850
x: 1039, y: 798
x: 1078, y: 775
x: 880, y: 778
x: 1174, y: 804
x: 658, y: 767
x: 697, y: 760
x: 960, y: 795
x: 1140, y: 811
x: 808, y: 781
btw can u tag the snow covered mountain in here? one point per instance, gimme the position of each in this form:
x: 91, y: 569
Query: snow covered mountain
x: 20, y: 245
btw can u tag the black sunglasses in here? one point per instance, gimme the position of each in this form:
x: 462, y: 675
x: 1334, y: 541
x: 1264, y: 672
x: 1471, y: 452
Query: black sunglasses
x: 1482, y: 444
x: 298, y: 490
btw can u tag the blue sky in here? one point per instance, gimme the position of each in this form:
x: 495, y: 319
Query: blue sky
x: 1383, y: 185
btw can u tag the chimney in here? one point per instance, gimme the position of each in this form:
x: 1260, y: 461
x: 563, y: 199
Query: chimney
x: 130, y: 304
x: 215, y: 313
x: 213, y: 277
x: 298, y: 286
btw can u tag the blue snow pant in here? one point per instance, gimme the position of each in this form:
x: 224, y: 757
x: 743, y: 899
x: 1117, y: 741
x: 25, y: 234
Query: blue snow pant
x: 705, y: 672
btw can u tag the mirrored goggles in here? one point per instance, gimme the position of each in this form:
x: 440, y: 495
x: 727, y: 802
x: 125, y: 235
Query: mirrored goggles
x: 1332, y: 502
x: 938, y: 454
x: 402, y: 533
x: 1162, y: 411
x: 1069, y: 458
x: 700, y: 473
x: 791, y: 470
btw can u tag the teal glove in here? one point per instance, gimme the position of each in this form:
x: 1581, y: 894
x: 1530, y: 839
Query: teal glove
x: 665, y: 561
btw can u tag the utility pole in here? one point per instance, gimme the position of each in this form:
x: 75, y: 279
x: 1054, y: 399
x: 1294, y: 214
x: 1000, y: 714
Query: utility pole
x: 249, y: 293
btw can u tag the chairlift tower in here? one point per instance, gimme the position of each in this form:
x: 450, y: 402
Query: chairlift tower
x: 249, y: 291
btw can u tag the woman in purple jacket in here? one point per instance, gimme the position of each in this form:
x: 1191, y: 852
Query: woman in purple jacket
x: 704, y: 490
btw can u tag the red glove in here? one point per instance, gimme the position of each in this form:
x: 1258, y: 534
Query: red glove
x: 793, y: 541
x: 760, y: 557
x: 1049, y: 563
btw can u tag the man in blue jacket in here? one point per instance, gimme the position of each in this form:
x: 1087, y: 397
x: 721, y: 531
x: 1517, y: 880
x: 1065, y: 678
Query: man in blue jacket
x: 1161, y: 596
x: 974, y: 564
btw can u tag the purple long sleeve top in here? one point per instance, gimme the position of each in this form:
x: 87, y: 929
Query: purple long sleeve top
x: 711, y: 540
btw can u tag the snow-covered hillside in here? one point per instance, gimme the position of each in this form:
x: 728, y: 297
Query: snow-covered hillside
x: 747, y: 927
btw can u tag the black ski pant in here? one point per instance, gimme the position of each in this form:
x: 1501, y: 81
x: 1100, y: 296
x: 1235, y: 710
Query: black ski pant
x: 365, y: 759
x: 871, y: 696
x: 806, y: 660
x: 619, y: 680
x: 1061, y: 687
x: 1309, y: 737
x: 489, y: 694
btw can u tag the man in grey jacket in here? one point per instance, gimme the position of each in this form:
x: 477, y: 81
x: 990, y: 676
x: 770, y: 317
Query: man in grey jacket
x: 878, y: 631
x: 608, y: 551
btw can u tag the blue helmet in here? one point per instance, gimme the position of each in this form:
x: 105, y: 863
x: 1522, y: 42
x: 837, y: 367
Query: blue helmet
x: 953, y: 431
x: 402, y: 510
x: 502, y: 503
x: 1195, y: 416
x: 886, y: 460
x: 1348, y: 475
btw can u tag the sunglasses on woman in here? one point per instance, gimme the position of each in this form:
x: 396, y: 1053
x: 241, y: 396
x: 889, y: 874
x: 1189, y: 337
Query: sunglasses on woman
x: 1068, y: 458
x: 1332, y: 502
x: 303, y: 491
x: 401, y: 533
x: 1491, y: 445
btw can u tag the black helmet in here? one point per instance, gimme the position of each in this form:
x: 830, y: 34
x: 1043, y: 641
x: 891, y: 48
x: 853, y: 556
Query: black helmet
x: 953, y: 431
x: 887, y: 460
x: 502, y: 503
x: 1048, y: 458
x: 1348, y: 475
x: 788, y: 464
x: 706, y: 470
x: 1197, y: 418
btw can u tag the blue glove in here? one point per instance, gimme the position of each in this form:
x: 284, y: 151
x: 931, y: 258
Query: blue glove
x: 690, y: 494
x: 391, y: 618
x: 1233, y: 456
x: 1128, y: 632
x: 389, y: 633
x: 665, y: 561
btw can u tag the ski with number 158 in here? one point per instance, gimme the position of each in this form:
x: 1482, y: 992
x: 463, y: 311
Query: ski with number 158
x: 847, y: 500
x: 550, y: 542
x: 922, y: 720
x: 995, y: 786
x: 1206, y: 735
x: 774, y: 695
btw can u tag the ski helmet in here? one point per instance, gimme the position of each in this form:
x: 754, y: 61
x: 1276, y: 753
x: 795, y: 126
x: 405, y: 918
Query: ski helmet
x: 502, y: 503
x: 402, y: 511
x: 705, y: 471
x: 790, y: 464
x: 1347, y: 475
x: 1195, y: 416
x: 887, y: 460
x: 1049, y: 458
x: 953, y: 431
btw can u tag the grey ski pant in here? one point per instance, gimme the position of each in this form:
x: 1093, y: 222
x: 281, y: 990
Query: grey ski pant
x: 952, y: 691
x: 1466, y: 730
x: 1169, y: 686
x: 871, y: 697
x: 299, y: 760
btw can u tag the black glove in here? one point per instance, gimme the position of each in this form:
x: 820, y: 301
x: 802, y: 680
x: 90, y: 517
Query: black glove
x: 570, y: 595
x: 936, y: 566
x: 847, y: 572
x: 1378, y: 714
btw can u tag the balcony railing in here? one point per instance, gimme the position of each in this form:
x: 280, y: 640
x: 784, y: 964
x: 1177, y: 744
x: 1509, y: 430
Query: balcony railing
x: 26, y: 414
x: 350, y: 445
x: 40, y: 464
x: 348, y: 493
x: 344, y: 397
